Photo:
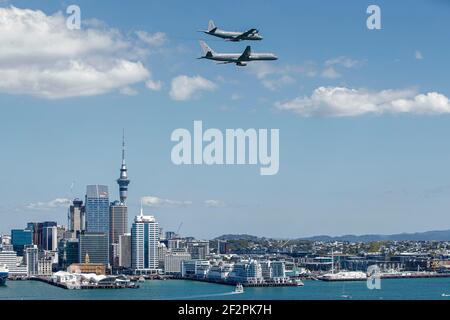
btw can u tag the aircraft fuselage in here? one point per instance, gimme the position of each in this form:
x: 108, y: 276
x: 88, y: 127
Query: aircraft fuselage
x: 235, y: 57
x: 233, y: 36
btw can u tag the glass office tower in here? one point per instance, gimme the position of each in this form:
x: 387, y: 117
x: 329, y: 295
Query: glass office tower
x: 20, y: 239
x: 97, y: 209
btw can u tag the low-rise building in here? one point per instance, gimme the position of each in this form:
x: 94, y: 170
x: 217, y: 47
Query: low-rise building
x: 173, y: 261
x: 195, y: 268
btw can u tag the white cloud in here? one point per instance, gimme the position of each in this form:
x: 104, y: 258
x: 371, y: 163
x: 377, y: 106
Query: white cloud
x: 275, y: 77
x: 40, y: 56
x: 156, y: 39
x: 57, y: 203
x: 214, y: 203
x: 418, y: 55
x: 330, y: 66
x: 344, y: 102
x: 151, y: 201
x: 153, y: 85
x: 184, y: 87
x: 330, y: 73
x: 343, y: 61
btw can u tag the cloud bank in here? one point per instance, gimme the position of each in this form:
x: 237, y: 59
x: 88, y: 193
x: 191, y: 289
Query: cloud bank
x: 41, y: 57
x: 53, y: 204
x: 345, y: 102
x: 156, y: 202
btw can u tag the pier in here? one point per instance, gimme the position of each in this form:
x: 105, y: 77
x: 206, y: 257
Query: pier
x: 244, y: 284
x: 90, y: 286
x: 405, y: 275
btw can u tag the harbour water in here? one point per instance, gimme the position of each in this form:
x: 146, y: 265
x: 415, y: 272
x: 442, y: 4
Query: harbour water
x: 391, y: 289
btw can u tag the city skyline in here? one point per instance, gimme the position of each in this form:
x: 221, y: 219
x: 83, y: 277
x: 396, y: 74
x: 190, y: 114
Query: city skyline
x: 375, y: 163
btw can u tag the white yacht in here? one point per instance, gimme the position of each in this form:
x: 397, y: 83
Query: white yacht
x: 239, y: 289
x: 342, y: 275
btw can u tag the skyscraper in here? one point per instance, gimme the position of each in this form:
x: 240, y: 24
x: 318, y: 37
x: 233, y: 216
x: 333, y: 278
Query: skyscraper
x: 125, y: 251
x: 33, y: 227
x: 95, y: 246
x: 47, y: 235
x: 76, y: 218
x: 97, y: 209
x: 118, y: 225
x: 44, y: 234
x: 144, y: 244
x: 32, y: 257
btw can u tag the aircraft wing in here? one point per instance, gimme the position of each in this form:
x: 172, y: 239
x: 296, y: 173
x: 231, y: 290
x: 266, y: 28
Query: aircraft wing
x: 246, y: 55
x: 246, y: 34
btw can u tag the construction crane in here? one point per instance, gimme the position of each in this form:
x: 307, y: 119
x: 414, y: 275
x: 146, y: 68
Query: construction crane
x: 179, y: 227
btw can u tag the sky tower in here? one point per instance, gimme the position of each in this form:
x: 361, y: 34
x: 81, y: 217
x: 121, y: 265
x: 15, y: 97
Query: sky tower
x: 123, y: 180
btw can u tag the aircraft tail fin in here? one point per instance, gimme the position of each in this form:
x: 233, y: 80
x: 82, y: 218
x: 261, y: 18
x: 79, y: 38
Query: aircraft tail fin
x: 207, y: 51
x: 211, y: 26
x: 247, y: 53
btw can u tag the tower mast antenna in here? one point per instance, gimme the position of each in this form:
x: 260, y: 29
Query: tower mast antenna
x: 123, y: 180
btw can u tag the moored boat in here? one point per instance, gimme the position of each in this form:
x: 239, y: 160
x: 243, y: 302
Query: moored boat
x: 4, y: 273
x: 239, y: 289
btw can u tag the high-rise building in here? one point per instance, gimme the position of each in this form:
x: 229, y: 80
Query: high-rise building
x: 76, y: 218
x: 170, y: 235
x: 68, y: 252
x: 198, y: 249
x: 49, y: 238
x: 125, y: 251
x: 97, y: 209
x: 32, y: 255
x: 176, y: 244
x: 33, y: 227
x: 162, y: 251
x: 94, y: 245
x: 44, y: 234
x: 144, y: 244
x: 118, y: 225
x: 21, y: 239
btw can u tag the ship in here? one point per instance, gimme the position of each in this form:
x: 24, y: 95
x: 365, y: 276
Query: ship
x: 342, y: 275
x: 239, y: 289
x: 4, y: 273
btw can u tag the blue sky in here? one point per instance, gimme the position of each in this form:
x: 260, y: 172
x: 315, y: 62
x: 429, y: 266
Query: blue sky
x: 376, y: 161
